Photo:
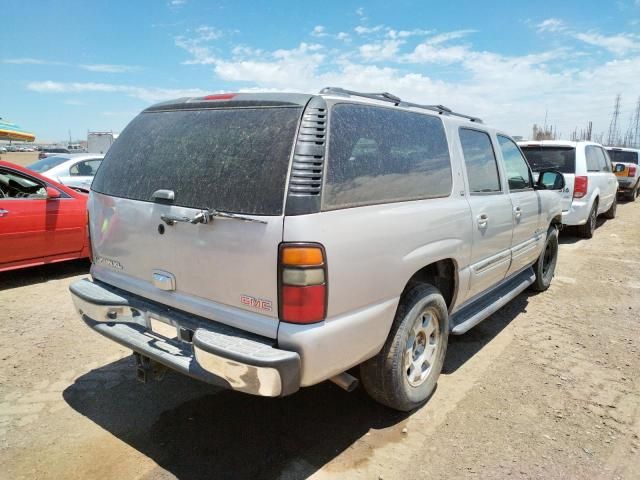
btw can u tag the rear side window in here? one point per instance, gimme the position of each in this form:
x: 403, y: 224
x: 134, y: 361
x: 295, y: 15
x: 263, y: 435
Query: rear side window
x: 562, y: 159
x: 622, y: 156
x: 233, y: 160
x: 88, y: 168
x: 380, y: 155
x: 480, y: 161
x: 518, y: 174
x: 594, y: 160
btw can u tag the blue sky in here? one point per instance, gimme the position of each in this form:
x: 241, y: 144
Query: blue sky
x: 73, y: 65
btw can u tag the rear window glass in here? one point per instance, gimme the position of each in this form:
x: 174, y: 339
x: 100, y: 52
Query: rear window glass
x: 622, y: 156
x: 47, y: 163
x: 380, y: 155
x: 562, y: 159
x: 233, y: 160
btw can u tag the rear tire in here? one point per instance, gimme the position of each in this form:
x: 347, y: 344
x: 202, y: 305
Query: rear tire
x: 611, y: 213
x: 404, y: 373
x: 545, y: 266
x: 586, y: 230
x: 633, y: 194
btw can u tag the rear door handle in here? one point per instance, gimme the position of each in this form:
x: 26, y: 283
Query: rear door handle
x: 483, y: 220
x: 3, y: 212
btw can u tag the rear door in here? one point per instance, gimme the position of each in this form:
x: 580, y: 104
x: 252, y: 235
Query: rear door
x: 600, y: 176
x: 526, y: 240
x: 491, y: 209
x: 176, y: 164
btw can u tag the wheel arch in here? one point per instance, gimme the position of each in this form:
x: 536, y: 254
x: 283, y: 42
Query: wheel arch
x: 442, y: 274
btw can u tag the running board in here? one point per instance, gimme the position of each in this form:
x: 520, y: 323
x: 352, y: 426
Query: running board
x: 472, y: 314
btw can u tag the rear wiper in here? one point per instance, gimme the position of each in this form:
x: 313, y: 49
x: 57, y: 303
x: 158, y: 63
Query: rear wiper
x: 207, y: 216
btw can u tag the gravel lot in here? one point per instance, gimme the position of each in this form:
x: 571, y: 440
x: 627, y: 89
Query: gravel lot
x: 549, y: 387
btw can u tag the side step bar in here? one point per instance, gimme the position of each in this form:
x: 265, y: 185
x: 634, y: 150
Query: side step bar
x: 472, y: 314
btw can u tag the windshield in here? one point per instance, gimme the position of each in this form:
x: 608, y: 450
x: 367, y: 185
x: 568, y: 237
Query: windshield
x: 47, y: 163
x: 622, y: 156
x: 233, y: 160
x: 562, y: 159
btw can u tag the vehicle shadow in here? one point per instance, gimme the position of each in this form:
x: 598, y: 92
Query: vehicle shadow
x: 569, y: 235
x: 43, y: 273
x: 463, y: 347
x: 194, y: 430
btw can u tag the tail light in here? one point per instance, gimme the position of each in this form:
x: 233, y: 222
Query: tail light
x: 580, y: 186
x: 303, y: 283
x: 632, y: 171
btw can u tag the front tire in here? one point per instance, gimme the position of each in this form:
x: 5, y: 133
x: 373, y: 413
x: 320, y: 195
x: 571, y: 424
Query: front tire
x: 404, y: 373
x: 545, y: 266
x: 586, y: 230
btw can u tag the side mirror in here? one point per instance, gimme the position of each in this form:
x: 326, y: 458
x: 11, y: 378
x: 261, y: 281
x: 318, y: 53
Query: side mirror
x: 52, y: 193
x: 550, y: 180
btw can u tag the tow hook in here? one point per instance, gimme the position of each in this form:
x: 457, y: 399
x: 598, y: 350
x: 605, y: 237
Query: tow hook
x: 147, y: 369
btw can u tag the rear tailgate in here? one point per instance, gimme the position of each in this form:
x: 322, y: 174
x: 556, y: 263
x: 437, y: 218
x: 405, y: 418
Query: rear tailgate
x: 232, y: 160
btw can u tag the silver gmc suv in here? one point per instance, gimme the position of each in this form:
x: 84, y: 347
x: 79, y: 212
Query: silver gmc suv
x: 267, y: 242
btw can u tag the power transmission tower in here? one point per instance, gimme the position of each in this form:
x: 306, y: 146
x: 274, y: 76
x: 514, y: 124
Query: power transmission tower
x: 636, y: 126
x: 612, y: 136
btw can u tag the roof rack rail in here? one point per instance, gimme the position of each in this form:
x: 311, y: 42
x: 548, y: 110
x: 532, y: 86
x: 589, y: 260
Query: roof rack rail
x: 397, y: 101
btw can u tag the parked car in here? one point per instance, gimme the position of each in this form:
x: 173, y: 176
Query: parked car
x: 625, y: 166
x: 590, y: 182
x: 73, y: 170
x: 41, y: 221
x: 50, y: 151
x: 267, y: 242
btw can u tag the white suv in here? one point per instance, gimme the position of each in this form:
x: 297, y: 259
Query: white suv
x: 591, y: 185
x: 625, y: 166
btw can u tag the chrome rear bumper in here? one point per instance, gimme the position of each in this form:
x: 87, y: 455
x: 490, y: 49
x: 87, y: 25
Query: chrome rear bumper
x: 203, y: 349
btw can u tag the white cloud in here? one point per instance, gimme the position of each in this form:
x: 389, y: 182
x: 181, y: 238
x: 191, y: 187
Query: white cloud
x: 343, y: 36
x: 319, y: 31
x: 148, y: 94
x: 384, y: 50
x: 177, y: 3
x: 620, y: 44
x: 407, y: 33
x: 551, y: 25
x: 362, y: 30
x: 106, y: 68
x: 75, y: 103
x: 31, y: 61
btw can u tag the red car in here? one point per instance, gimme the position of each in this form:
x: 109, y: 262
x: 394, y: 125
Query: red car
x: 41, y: 221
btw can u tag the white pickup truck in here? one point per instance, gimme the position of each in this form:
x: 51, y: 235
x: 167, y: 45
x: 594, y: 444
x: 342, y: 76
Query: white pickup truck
x: 625, y: 166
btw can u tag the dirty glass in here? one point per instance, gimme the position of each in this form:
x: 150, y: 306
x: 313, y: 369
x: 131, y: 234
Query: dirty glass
x: 480, y: 161
x: 379, y: 155
x: 233, y: 160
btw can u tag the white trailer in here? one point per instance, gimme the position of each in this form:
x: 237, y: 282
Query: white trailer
x: 99, y: 142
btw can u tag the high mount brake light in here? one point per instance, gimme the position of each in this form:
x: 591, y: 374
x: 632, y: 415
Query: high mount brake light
x: 580, y: 186
x: 303, y: 283
x: 219, y: 96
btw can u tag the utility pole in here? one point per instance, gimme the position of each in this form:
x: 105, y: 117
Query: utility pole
x: 612, y: 136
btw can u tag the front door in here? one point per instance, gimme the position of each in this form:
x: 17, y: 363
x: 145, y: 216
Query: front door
x: 492, y: 221
x: 528, y: 237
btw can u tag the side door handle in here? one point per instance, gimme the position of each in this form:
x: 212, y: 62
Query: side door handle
x: 517, y: 212
x: 483, y: 220
x: 3, y: 212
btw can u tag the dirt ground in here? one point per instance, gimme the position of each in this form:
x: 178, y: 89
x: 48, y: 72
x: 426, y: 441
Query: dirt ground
x: 549, y: 388
x: 20, y: 158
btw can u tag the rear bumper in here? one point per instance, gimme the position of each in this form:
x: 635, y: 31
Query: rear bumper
x: 202, y: 349
x: 626, y: 183
x: 578, y: 213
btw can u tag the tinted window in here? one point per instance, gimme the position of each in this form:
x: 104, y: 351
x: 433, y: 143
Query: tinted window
x: 47, y: 163
x: 594, y: 161
x: 480, y: 160
x: 87, y: 168
x: 622, y: 156
x: 604, y: 162
x: 379, y: 155
x: 562, y: 159
x: 233, y: 160
x: 516, y: 167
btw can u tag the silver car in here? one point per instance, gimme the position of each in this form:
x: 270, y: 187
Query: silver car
x: 268, y: 242
x: 73, y: 170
